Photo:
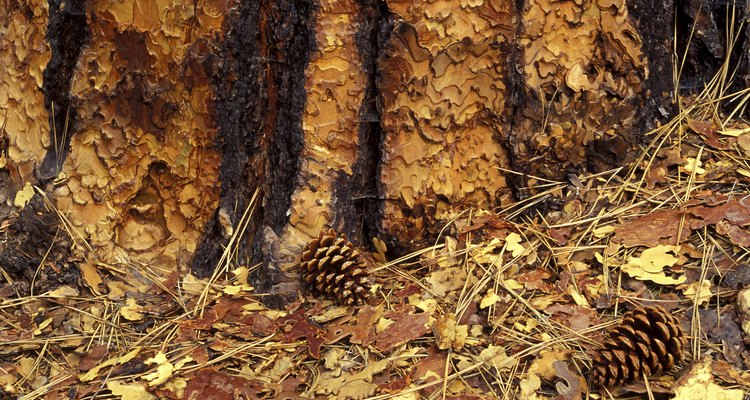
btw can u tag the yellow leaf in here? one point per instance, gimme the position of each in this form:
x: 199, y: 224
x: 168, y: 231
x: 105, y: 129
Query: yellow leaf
x: 694, y: 165
x: 23, y: 196
x: 494, y: 356
x: 164, y: 370
x: 177, y: 386
x: 513, y: 244
x: 234, y: 290
x: 699, y: 384
x: 26, y: 366
x: 254, y: 306
x: 489, y: 299
x: 241, y: 273
x: 650, y: 265
x: 578, y: 297
x: 43, y: 325
x: 64, y: 291
x: 513, y: 284
x: 449, y: 333
x: 527, y: 327
x: 132, y: 391
x: 428, y: 305
x: 448, y: 279
x: 94, y: 372
x: 131, y: 311
x: 382, y: 324
x: 406, y: 357
x: 734, y: 132
x: 192, y: 285
x: 529, y: 386
x: 332, y: 359
x: 603, y: 231
x: 700, y: 291
x: 129, y: 356
x: 350, y: 386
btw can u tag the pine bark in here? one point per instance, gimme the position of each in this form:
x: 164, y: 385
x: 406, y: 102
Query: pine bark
x: 149, y: 125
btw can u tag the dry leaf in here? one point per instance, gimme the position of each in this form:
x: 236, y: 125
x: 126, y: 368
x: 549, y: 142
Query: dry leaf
x: 350, y: 386
x: 234, y: 290
x: 448, y: 333
x: 23, y: 196
x: 650, y: 265
x: 513, y: 244
x: 164, y: 369
x: 64, y: 292
x: 90, y: 276
x: 130, y: 391
x: 699, y: 384
x: 132, y: 311
x: 694, y: 165
x: 743, y: 141
x: 699, y: 291
x: 489, y: 299
x: 406, y: 326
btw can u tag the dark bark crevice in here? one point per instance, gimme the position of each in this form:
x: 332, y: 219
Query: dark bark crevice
x: 67, y: 31
x: 359, y: 198
x: 517, y: 97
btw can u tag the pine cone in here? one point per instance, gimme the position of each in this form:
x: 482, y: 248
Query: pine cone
x: 332, y: 266
x: 648, y: 340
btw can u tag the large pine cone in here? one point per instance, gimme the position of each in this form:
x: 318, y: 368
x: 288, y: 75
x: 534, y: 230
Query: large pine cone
x: 332, y: 266
x: 648, y: 341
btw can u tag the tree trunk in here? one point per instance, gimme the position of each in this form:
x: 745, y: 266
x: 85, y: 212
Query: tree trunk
x: 150, y: 126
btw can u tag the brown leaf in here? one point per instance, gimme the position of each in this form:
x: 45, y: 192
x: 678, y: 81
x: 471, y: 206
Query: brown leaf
x: 302, y: 328
x: 535, y: 279
x: 208, y: 384
x: 431, y: 367
x: 708, y: 130
x: 363, y: 331
x: 93, y: 357
x: 572, y: 315
x: 650, y: 229
x: 570, y: 388
x: 736, y: 235
x: 736, y: 212
x: 406, y: 326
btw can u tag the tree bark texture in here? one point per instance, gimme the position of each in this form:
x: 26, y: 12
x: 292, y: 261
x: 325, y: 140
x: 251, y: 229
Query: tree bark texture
x: 150, y: 124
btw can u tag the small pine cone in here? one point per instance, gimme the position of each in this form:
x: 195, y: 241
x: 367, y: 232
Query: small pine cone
x: 648, y: 340
x: 332, y: 266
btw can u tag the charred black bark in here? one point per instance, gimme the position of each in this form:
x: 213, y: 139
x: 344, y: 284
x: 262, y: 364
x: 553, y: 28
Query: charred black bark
x: 703, y: 41
x: 260, y: 98
x: 36, y: 250
x: 66, y: 32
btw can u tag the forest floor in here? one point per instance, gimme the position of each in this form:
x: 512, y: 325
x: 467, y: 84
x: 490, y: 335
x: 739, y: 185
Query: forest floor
x: 507, y: 304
